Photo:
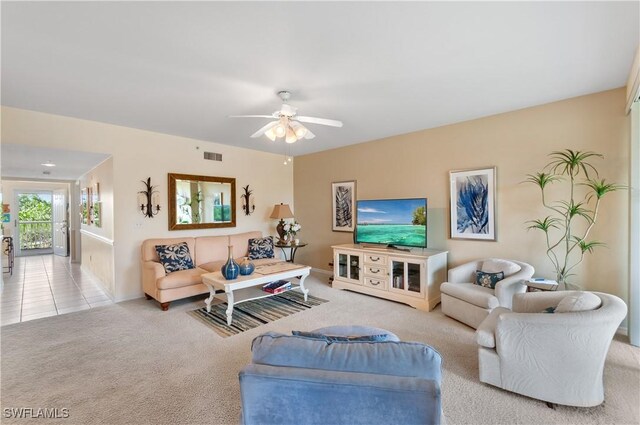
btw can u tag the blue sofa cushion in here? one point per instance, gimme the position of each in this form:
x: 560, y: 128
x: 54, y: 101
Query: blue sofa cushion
x: 175, y: 257
x: 335, y: 338
x: 410, y: 359
x: 261, y: 248
x: 355, y: 330
x: 488, y: 280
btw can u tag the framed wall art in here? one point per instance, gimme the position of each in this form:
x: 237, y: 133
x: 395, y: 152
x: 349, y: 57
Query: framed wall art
x: 84, y: 206
x: 343, y: 196
x: 96, y: 211
x: 473, y: 204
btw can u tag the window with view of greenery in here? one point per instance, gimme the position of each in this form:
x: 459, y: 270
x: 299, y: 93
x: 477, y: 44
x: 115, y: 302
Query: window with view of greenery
x: 34, y: 216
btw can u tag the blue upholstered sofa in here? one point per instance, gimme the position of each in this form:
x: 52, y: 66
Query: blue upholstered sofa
x: 325, y: 377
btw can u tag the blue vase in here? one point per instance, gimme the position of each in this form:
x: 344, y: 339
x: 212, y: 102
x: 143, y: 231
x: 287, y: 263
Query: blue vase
x: 246, y: 267
x: 230, y: 269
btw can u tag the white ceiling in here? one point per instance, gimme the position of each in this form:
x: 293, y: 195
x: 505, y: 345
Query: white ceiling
x: 24, y: 162
x: 383, y: 68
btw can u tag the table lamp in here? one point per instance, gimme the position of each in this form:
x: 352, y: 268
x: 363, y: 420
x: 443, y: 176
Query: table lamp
x: 281, y: 211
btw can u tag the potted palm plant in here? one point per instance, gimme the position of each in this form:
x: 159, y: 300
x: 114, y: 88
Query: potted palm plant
x: 570, y: 220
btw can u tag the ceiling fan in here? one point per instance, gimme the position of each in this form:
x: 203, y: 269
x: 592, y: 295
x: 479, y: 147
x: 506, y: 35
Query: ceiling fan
x: 287, y: 123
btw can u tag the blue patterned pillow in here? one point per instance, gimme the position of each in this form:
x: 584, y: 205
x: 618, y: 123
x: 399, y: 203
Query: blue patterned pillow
x: 175, y: 257
x: 488, y: 280
x: 261, y: 248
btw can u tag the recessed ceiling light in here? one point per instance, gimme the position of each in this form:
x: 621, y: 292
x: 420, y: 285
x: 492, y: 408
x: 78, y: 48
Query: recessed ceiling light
x: 48, y: 164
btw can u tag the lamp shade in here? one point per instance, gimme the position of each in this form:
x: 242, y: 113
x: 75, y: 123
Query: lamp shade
x: 281, y: 211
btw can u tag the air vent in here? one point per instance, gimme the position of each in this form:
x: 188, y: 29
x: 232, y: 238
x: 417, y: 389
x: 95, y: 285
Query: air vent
x: 212, y: 156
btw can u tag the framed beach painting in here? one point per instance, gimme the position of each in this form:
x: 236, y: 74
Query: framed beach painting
x: 343, y: 196
x: 473, y: 204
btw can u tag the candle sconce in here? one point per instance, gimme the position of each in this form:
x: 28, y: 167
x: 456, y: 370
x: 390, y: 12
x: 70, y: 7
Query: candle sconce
x: 148, y: 200
x: 247, y: 201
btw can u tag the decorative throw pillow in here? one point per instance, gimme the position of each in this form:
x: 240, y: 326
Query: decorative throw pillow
x: 488, y: 280
x: 583, y: 301
x: 175, y: 257
x: 342, y: 338
x: 495, y: 265
x: 261, y: 248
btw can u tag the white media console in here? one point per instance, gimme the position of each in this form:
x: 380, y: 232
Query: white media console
x: 411, y: 277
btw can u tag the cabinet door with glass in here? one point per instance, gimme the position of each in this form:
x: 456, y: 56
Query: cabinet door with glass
x: 407, y: 276
x: 349, y: 267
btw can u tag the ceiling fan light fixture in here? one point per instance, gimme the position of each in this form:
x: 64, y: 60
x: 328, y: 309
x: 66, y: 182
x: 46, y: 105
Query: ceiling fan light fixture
x: 288, y: 125
x: 300, y: 130
x: 281, y: 128
x: 271, y: 134
x: 291, y: 136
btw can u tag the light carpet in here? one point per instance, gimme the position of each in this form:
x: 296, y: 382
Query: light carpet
x: 132, y: 363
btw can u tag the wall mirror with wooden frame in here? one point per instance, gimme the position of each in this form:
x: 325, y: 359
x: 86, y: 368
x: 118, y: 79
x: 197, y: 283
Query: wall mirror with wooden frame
x: 201, y: 202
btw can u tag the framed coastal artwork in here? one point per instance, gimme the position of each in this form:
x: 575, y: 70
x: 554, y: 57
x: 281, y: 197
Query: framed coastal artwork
x: 343, y: 196
x: 473, y: 204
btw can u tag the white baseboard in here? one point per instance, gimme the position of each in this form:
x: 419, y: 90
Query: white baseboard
x: 623, y: 331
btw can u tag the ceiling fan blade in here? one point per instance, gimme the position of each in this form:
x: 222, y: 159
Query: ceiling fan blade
x: 321, y: 121
x: 309, y: 135
x: 251, y: 116
x: 264, y: 129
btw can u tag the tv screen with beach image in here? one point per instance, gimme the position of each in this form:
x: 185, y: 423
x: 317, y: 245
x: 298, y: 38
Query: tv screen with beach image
x: 401, y: 222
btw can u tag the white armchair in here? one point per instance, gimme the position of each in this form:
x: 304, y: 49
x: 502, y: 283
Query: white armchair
x: 559, y: 357
x: 469, y: 303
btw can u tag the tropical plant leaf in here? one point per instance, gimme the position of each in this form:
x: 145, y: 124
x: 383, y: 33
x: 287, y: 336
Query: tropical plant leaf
x: 572, y: 209
x: 542, y: 179
x: 569, y: 162
x: 545, y: 224
x: 601, y: 187
x: 587, y: 246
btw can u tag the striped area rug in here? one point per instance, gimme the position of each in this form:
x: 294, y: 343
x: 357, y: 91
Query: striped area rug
x: 251, y: 314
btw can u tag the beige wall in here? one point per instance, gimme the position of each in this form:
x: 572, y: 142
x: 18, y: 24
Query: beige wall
x: 98, y: 258
x: 139, y: 154
x: 517, y: 143
x: 97, y: 253
x: 103, y: 176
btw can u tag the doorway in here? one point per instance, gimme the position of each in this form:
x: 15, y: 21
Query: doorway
x: 41, y: 222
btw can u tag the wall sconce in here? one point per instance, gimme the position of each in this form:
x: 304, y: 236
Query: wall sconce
x: 247, y: 201
x: 148, y: 200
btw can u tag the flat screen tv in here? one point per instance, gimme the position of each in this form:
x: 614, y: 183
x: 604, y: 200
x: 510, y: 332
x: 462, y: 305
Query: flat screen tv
x: 392, y: 222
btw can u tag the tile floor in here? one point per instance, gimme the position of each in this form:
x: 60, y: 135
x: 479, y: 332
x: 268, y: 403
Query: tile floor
x: 47, y: 285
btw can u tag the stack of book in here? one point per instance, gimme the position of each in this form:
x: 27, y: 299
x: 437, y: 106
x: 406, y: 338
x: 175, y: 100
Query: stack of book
x: 542, y: 284
x: 277, y: 286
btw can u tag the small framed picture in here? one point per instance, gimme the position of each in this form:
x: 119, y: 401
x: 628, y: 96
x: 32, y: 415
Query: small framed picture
x: 84, y: 205
x: 473, y: 204
x: 343, y: 196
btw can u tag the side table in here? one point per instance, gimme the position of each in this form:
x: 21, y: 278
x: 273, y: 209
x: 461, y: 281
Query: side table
x: 293, y: 248
x: 539, y: 284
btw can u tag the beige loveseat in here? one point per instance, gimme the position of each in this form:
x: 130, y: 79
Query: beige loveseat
x: 209, y: 253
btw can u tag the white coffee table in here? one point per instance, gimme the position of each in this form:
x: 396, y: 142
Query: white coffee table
x: 247, y: 288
